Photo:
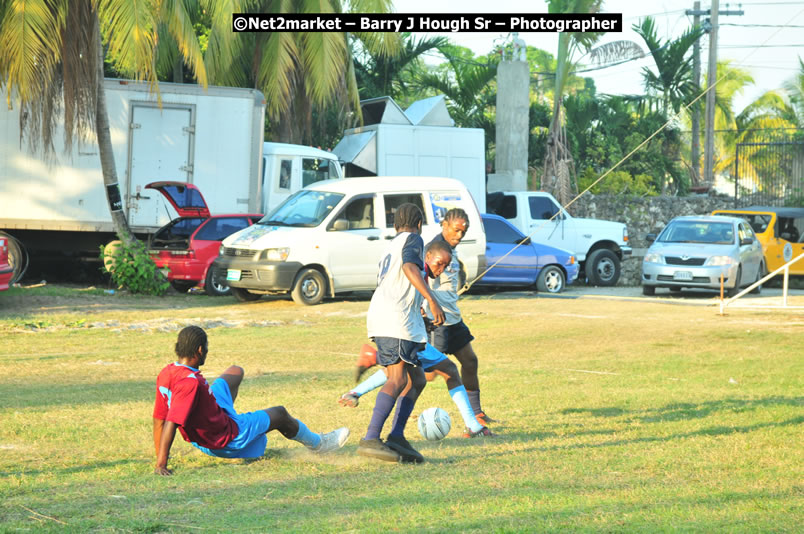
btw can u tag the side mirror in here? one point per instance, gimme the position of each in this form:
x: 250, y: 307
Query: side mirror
x: 746, y: 241
x: 340, y: 225
x: 524, y: 241
x: 650, y: 238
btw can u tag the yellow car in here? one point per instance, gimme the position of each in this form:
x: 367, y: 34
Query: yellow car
x: 780, y: 230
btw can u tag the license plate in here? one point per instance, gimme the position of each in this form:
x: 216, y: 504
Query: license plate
x: 682, y: 275
x: 233, y: 274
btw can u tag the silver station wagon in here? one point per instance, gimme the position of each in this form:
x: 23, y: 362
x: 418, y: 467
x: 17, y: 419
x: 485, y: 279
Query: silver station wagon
x: 693, y: 252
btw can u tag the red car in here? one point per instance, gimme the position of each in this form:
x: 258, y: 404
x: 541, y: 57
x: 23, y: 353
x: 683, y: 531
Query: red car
x: 188, y: 245
x: 6, y: 270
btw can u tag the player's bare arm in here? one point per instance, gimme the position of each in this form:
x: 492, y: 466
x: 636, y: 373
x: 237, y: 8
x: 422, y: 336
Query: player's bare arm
x: 413, y: 274
x: 165, y: 442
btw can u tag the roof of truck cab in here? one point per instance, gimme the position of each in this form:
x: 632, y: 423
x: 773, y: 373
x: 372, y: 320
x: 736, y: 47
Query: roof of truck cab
x: 383, y: 184
x: 286, y: 149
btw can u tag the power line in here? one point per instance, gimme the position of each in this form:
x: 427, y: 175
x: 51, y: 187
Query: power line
x: 762, y: 25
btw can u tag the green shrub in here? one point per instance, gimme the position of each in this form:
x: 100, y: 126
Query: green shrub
x: 617, y: 183
x: 132, y: 268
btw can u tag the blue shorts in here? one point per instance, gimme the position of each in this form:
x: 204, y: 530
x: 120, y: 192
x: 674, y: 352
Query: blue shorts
x: 251, y: 441
x: 430, y: 357
x: 450, y: 339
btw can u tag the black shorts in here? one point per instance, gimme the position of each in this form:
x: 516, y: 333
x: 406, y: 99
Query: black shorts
x: 391, y: 349
x: 450, y: 339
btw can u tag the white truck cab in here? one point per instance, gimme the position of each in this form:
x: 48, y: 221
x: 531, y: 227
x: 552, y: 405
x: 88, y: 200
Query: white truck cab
x: 329, y: 237
x: 599, y: 245
x: 287, y: 168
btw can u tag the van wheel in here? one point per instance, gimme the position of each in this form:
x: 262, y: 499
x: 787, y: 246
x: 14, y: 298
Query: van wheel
x: 182, y: 286
x: 215, y: 285
x: 309, y: 287
x: 551, y: 280
x: 602, y: 268
x: 244, y: 295
x: 17, y: 257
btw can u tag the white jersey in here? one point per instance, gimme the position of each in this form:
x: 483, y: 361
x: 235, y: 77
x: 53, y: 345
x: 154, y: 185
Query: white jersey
x: 445, y: 288
x: 395, y: 309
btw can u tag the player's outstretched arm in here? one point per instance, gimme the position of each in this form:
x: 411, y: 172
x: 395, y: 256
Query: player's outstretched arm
x: 413, y: 274
x: 167, y: 432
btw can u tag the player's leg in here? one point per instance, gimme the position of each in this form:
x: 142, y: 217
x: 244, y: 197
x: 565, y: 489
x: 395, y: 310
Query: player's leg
x: 404, y: 407
x: 457, y: 391
x: 373, y: 382
x: 469, y: 364
x: 233, y: 376
x: 292, y: 428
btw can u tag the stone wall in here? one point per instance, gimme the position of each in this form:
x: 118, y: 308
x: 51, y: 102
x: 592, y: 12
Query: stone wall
x: 644, y: 215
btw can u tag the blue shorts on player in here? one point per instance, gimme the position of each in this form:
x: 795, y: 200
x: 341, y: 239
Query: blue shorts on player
x: 251, y: 441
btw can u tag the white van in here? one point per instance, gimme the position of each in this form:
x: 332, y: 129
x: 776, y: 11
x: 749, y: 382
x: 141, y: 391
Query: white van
x: 328, y: 238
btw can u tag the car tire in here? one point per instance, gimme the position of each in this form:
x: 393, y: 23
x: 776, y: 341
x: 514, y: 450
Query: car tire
x: 244, y: 295
x: 648, y: 291
x: 182, y: 286
x: 551, y: 280
x: 309, y: 287
x: 736, y: 289
x: 214, y: 285
x: 760, y: 274
x: 602, y: 268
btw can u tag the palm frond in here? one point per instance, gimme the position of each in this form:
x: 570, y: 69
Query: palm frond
x: 615, y: 51
x: 323, y: 58
x: 130, y: 30
x: 180, y: 24
x: 276, y: 72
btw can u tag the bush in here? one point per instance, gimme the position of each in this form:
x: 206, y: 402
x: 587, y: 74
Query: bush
x: 132, y: 268
x: 618, y: 183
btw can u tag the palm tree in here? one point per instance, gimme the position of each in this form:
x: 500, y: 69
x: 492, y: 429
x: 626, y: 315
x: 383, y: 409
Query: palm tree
x: 296, y: 71
x: 51, y: 59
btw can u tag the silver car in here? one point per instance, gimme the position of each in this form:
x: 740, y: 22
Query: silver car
x: 694, y: 252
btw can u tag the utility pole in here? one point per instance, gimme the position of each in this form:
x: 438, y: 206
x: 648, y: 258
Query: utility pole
x: 695, y: 149
x: 711, y: 78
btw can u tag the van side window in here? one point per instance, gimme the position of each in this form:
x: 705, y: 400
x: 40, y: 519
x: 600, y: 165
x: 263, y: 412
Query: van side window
x: 541, y: 208
x: 359, y: 213
x: 285, y: 168
x: 394, y: 201
x: 314, y: 170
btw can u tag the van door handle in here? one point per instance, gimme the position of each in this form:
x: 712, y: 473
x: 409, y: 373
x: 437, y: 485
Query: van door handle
x: 389, y: 237
x: 373, y: 238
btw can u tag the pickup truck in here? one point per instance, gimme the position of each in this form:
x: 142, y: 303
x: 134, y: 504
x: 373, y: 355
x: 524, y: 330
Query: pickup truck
x: 600, y: 246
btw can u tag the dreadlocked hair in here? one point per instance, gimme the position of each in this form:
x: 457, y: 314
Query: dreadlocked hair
x: 190, y: 338
x: 407, y: 216
x: 456, y: 213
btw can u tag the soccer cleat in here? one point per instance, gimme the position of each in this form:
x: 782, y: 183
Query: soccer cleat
x: 365, y: 360
x: 484, y: 419
x: 406, y: 452
x: 375, y: 448
x: 332, y: 440
x: 483, y: 432
x: 349, y: 399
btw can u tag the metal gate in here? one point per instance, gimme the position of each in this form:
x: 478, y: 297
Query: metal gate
x: 769, y: 169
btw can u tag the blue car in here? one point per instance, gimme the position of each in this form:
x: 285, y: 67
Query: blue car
x: 549, y: 269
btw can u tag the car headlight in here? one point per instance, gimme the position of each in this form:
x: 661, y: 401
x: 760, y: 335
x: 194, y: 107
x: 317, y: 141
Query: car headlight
x: 276, y: 254
x: 221, y: 250
x: 652, y: 257
x: 720, y: 260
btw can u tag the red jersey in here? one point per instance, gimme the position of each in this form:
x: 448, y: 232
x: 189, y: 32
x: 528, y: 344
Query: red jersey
x: 183, y: 397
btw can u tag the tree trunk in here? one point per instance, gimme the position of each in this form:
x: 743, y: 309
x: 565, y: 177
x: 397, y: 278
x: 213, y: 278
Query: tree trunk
x: 107, y: 153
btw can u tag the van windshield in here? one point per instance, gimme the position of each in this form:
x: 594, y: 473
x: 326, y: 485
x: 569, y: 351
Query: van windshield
x: 304, y: 208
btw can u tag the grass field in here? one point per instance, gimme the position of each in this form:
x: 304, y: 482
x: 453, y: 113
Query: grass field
x: 616, y: 416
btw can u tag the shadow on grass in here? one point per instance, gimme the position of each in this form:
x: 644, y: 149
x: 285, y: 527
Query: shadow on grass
x: 682, y: 411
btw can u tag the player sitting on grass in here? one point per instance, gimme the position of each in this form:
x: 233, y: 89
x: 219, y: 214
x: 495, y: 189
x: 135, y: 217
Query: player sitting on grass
x: 452, y: 337
x: 395, y: 323
x: 206, y: 418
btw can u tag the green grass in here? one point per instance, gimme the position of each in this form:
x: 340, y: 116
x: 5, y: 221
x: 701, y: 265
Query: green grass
x: 616, y: 416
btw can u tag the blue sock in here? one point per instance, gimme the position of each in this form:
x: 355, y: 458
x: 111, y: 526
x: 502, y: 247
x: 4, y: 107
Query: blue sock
x: 375, y: 381
x: 306, y: 436
x: 382, y: 409
x: 404, y: 407
x: 461, y: 400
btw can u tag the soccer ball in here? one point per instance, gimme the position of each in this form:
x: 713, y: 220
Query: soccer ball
x: 434, y: 424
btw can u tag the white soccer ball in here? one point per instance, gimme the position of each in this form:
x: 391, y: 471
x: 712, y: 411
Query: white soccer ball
x: 434, y: 424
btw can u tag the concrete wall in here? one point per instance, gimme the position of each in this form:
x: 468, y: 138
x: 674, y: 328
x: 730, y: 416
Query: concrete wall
x: 513, y: 104
x: 643, y: 215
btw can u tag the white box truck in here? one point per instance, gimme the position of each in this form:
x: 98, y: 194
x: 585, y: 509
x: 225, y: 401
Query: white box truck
x: 420, y: 141
x: 212, y: 138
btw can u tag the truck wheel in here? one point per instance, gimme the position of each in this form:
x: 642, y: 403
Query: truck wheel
x: 602, y: 268
x: 648, y: 291
x: 215, y: 285
x: 182, y: 286
x: 551, y: 280
x: 309, y: 287
x: 244, y: 295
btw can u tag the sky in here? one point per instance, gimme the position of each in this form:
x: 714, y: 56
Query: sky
x: 770, y: 54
